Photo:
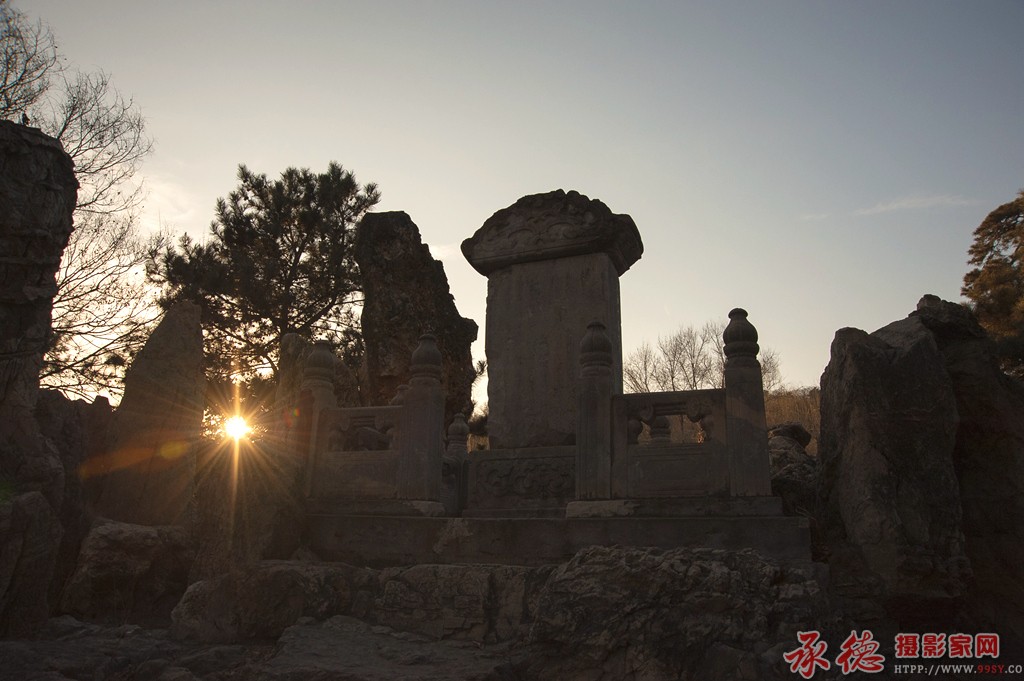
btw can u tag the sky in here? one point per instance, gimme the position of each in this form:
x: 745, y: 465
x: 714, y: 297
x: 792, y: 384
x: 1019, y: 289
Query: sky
x: 820, y: 164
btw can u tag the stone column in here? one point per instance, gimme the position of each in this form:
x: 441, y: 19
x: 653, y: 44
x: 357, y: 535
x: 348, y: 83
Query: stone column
x: 421, y: 436
x: 746, y: 430
x: 594, y: 419
x: 552, y: 263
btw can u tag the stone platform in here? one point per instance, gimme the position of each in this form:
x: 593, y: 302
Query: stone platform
x: 381, y: 541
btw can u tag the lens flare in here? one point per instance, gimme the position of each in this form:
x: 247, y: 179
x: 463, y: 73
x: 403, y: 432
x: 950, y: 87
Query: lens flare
x: 236, y: 427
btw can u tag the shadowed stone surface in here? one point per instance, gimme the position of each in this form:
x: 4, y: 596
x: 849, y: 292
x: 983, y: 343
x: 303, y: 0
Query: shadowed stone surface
x: 78, y: 430
x: 890, y: 496
x: 407, y: 295
x: 552, y: 263
x: 615, y: 613
x: 37, y: 197
x: 988, y: 458
x: 146, y: 474
x: 129, y: 573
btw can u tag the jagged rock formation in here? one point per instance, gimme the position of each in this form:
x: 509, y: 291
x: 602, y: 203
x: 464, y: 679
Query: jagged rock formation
x: 37, y: 196
x: 988, y: 459
x: 146, y: 473
x: 890, y: 497
x: 406, y: 295
x: 922, y: 479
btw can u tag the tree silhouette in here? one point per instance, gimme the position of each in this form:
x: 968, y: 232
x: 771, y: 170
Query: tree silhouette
x: 995, y: 286
x: 278, y: 260
x: 101, y: 311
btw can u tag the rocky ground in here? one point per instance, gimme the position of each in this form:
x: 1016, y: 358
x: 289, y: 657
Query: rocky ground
x: 341, y: 648
x: 607, y: 614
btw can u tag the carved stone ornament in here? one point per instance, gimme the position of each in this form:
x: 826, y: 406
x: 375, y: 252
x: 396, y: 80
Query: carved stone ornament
x: 552, y: 478
x: 558, y: 224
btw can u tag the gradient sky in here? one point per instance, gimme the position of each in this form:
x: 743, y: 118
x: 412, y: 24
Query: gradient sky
x: 821, y: 164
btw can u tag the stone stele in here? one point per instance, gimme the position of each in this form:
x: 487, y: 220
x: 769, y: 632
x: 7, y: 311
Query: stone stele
x: 552, y: 263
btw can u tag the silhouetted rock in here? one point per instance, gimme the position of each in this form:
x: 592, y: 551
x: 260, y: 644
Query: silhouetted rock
x: 78, y: 431
x: 988, y: 458
x: 29, y: 539
x: 794, y: 475
x: 791, y: 429
x: 891, y: 502
x: 407, y: 295
x: 37, y: 196
x: 147, y: 471
x: 129, y: 573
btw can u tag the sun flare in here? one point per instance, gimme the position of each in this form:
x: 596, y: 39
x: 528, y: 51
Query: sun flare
x: 236, y: 427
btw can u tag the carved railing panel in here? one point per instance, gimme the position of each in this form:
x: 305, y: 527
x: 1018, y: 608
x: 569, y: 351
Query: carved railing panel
x: 354, y: 453
x: 660, y: 467
x: 521, y: 478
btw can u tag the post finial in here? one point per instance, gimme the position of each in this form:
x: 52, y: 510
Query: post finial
x: 426, y: 359
x: 596, y: 347
x: 740, y: 336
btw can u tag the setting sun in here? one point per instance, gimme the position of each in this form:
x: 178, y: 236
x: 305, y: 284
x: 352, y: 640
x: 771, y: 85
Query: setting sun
x: 236, y: 427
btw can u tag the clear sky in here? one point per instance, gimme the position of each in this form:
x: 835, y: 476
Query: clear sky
x: 821, y: 164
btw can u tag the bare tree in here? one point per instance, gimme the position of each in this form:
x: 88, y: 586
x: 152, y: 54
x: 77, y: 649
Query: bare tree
x: 690, y: 359
x: 29, y: 58
x: 101, y: 310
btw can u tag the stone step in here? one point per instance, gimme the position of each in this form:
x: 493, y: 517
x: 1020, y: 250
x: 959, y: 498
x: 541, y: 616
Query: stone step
x: 382, y: 541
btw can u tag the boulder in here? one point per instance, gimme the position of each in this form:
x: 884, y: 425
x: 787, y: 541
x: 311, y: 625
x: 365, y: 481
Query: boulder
x: 483, y: 603
x: 406, y: 295
x: 29, y: 539
x: 147, y: 470
x: 792, y: 430
x: 889, y: 491
x: 261, y: 600
x: 129, y: 573
x: 625, y: 613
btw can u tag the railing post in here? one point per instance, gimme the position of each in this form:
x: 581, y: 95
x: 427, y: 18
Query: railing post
x: 593, y: 418
x: 746, y: 430
x: 421, y: 436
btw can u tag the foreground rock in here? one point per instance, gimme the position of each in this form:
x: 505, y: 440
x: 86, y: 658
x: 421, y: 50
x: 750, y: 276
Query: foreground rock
x: 37, y: 196
x: 609, y: 614
x: 129, y: 574
x: 891, y: 502
x: 988, y: 458
x: 613, y: 613
x: 922, y: 477
x: 484, y: 603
